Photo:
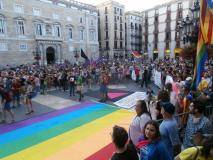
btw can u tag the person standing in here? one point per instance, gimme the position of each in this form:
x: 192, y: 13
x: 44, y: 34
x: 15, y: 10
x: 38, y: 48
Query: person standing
x: 169, y: 129
x: 72, y: 82
x: 79, y: 84
x: 103, y: 86
x: 6, y: 100
x: 151, y: 146
x: 136, y: 128
x: 196, y: 122
x: 120, y: 140
x: 29, y: 96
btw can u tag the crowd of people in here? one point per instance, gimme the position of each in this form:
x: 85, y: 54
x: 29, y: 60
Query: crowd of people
x: 180, y: 127
x: 155, y: 132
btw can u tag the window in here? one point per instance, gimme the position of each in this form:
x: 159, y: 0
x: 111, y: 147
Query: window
x: 107, y: 35
x: 23, y: 47
x: 121, y: 36
x: 81, y: 33
x: 39, y: 29
x: 107, y: 44
x: 91, y: 22
x: 3, y: 46
x: 36, y: 12
x: 2, y: 26
x: 120, y: 12
x: 121, y: 27
x: 1, y: 4
x: 20, y: 27
x: 114, y: 10
x: 70, y: 33
x: 106, y: 18
x: 179, y: 5
x: 18, y: 8
x: 115, y: 35
x: 121, y: 44
x: 92, y: 36
x: 115, y: 44
x: 81, y: 20
x: 106, y: 10
x: 55, y: 16
x: 121, y: 20
x: 57, y: 31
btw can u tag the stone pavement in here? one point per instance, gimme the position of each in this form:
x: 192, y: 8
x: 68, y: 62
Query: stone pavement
x: 57, y: 99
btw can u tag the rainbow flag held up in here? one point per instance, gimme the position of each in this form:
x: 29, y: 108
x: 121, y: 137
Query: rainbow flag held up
x: 205, y: 37
x: 136, y: 54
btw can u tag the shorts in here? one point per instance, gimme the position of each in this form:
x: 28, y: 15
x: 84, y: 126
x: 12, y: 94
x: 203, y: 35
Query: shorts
x: 7, y: 106
x: 103, y: 89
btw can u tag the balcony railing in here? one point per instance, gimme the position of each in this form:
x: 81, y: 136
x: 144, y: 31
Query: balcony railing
x: 49, y: 38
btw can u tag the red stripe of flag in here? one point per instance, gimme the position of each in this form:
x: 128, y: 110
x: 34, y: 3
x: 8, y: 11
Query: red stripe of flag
x: 103, y: 154
x: 203, y: 12
x: 210, y: 28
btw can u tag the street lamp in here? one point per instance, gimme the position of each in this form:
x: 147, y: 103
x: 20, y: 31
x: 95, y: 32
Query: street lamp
x: 190, y: 26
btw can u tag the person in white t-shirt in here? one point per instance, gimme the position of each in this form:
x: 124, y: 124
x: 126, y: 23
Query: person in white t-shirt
x: 137, y: 125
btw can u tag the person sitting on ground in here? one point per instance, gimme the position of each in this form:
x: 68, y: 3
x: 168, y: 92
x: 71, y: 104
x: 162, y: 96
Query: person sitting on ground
x: 120, y: 140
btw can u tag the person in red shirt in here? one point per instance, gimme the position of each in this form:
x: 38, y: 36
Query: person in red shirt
x: 137, y: 74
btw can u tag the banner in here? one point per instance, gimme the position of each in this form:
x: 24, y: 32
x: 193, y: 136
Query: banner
x: 131, y: 100
x: 169, y: 79
x: 157, y: 78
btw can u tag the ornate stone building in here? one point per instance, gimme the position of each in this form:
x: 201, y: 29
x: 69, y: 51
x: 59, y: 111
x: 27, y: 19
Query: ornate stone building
x: 53, y: 30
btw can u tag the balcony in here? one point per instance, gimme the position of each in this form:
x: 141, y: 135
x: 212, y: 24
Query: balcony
x: 48, y: 38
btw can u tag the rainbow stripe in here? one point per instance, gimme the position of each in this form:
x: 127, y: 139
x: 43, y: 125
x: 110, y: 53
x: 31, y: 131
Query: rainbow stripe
x: 78, y: 132
x: 205, y: 37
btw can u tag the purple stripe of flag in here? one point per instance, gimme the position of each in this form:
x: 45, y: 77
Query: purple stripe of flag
x: 14, y: 126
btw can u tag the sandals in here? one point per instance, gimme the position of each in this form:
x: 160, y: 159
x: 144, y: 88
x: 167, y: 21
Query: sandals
x: 29, y: 112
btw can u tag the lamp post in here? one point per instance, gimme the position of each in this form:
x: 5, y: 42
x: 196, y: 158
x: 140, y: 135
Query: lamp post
x: 190, y: 26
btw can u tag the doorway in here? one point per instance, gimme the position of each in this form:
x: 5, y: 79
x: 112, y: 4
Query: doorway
x: 50, y: 54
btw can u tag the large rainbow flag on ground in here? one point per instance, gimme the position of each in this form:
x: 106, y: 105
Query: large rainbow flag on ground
x: 205, y: 37
x: 79, y: 132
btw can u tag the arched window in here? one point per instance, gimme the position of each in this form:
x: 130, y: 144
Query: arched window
x: 70, y: 33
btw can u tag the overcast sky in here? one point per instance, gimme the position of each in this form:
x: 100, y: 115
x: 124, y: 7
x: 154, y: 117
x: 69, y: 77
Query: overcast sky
x: 138, y: 5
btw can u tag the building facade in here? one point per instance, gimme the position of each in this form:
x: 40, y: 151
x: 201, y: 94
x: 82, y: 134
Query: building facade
x: 133, y: 32
x: 111, y: 29
x: 159, y: 27
x: 53, y: 30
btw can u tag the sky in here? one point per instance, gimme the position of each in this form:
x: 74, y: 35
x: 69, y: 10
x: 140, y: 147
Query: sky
x: 137, y: 5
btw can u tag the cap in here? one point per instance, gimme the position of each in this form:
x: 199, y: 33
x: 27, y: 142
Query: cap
x: 168, y: 107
